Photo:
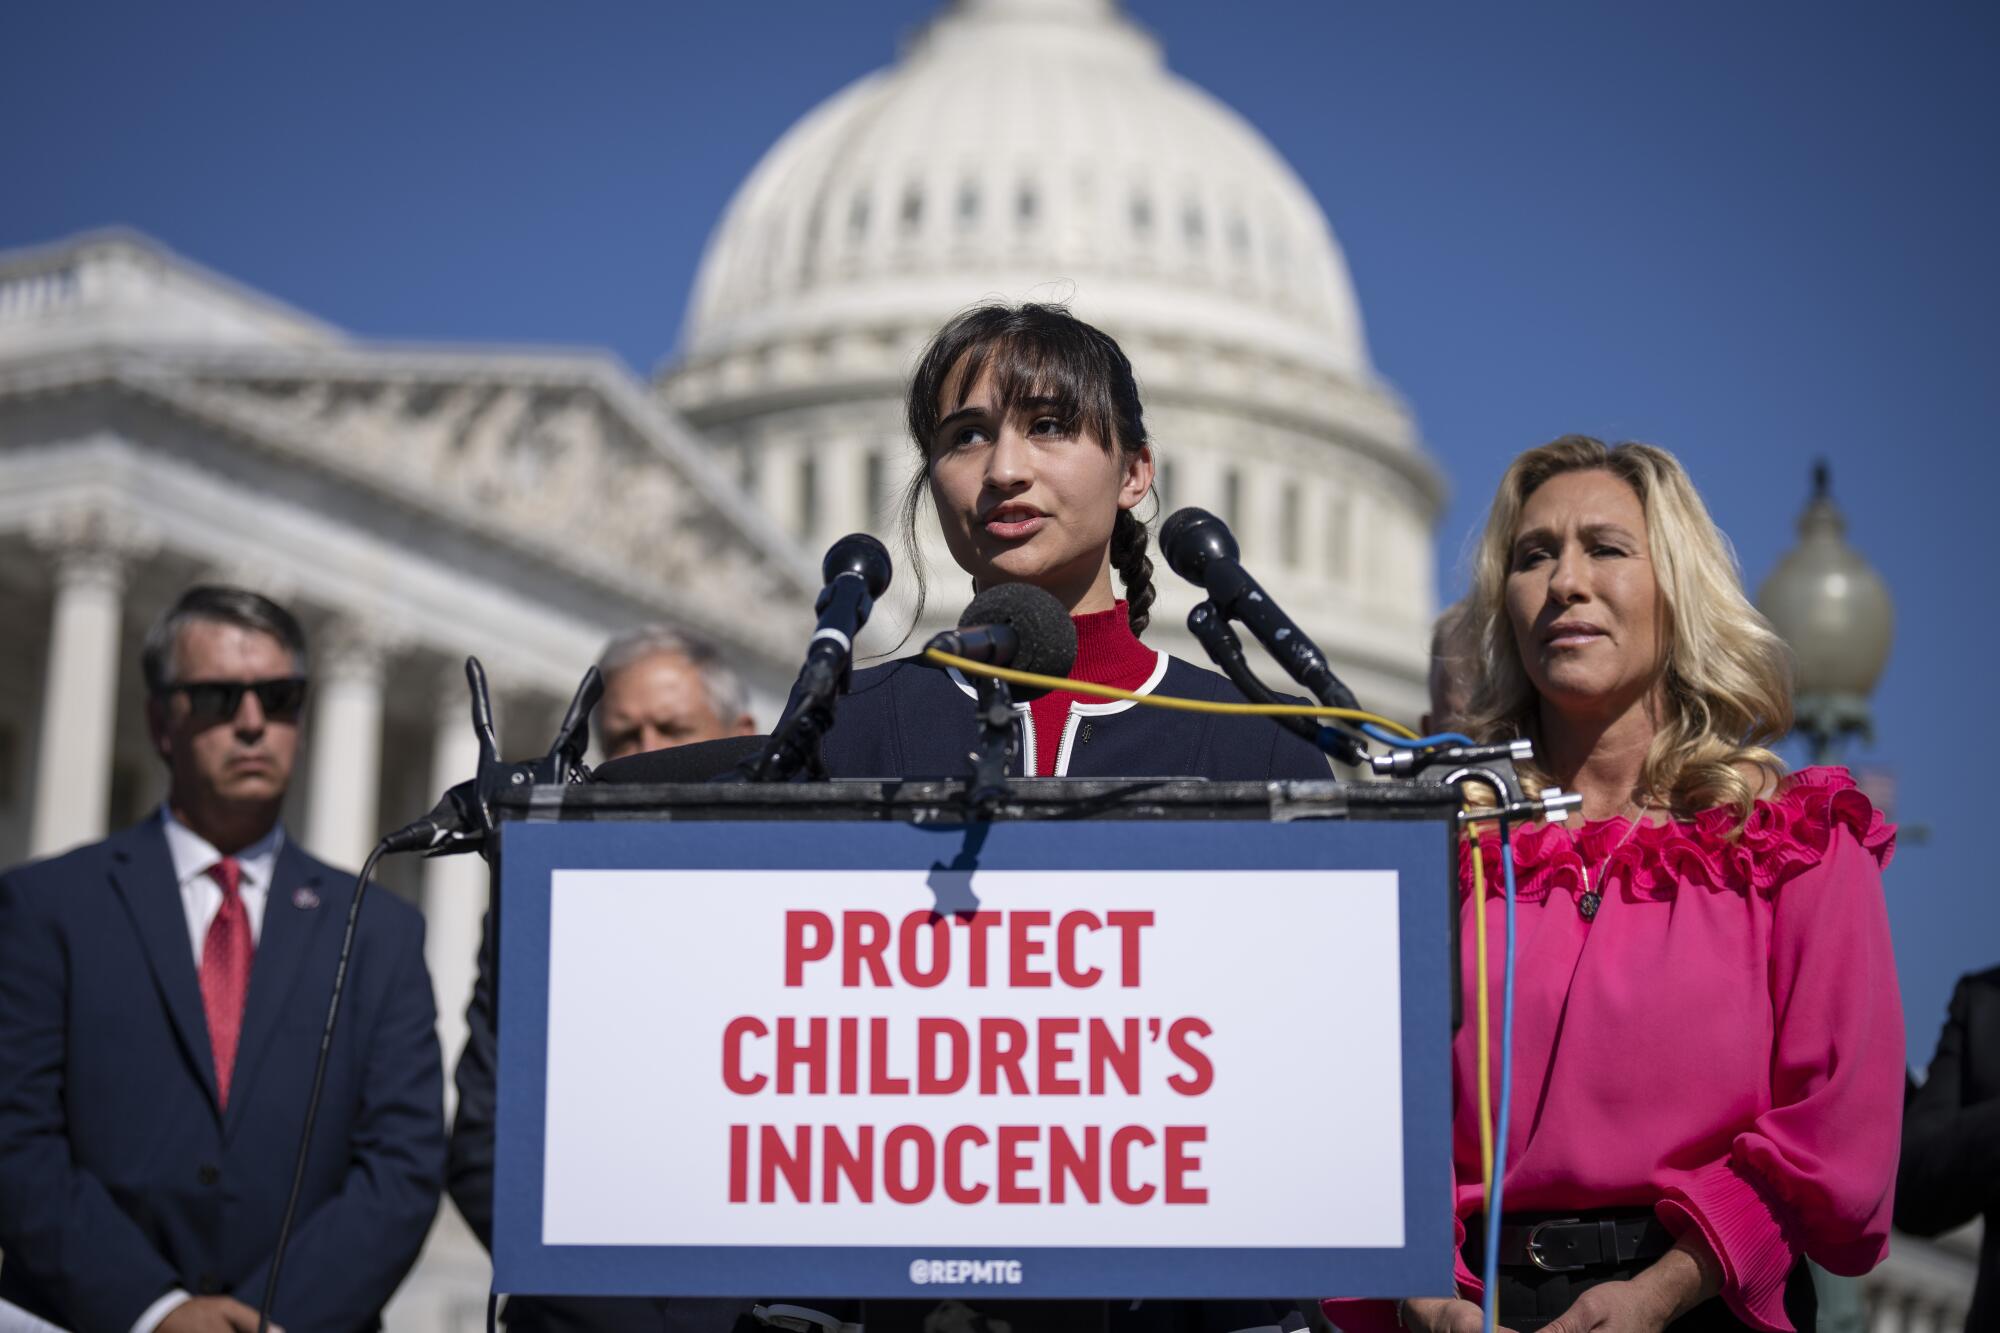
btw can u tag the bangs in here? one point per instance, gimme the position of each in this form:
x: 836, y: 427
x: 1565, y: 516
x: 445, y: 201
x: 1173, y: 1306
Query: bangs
x: 1037, y: 364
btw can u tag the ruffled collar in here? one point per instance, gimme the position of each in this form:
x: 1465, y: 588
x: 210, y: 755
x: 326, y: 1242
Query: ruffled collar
x: 1790, y: 831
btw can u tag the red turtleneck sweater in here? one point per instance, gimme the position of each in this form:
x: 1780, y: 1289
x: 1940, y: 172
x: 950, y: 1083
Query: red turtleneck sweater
x: 1107, y: 653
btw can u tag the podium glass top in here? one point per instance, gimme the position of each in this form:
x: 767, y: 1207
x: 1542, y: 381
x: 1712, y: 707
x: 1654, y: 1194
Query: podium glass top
x: 943, y: 801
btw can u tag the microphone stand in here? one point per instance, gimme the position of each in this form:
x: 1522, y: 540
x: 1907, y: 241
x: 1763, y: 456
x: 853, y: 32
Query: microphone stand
x: 1226, y: 650
x: 1200, y: 548
x: 563, y: 763
x: 1211, y: 628
x: 794, y: 743
x: 988, y: 786
x: 857, y: 571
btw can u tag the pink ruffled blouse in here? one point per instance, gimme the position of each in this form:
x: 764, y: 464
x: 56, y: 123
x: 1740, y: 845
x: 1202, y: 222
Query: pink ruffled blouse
x: 1706, y: 1026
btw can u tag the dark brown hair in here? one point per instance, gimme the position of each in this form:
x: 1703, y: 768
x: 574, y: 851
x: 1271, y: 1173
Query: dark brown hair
x: 1040, y: 352
x: 159, y: 657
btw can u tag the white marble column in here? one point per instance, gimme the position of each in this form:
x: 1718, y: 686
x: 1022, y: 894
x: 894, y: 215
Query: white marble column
x: 345, y: 744
x: 80, y: 695
x: 778, y: 483
x: 844, y: 503
x: 454, y: 886
x: 1888, y: 1316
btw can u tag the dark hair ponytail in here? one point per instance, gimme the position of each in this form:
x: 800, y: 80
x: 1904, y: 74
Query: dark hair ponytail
x: 1135, y: 569
x: 1035, y: 351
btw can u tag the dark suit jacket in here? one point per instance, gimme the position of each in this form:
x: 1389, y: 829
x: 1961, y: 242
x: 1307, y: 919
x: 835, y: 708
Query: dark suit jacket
x: 905, y: 719
x: 119, y: 1178
x: 1950, y: 1172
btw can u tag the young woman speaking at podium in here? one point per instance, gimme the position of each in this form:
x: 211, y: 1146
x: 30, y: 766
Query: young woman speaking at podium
x: 1031, y: 446
x: 1708, y: 1043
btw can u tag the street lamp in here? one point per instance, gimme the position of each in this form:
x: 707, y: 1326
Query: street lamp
x: 1830, y: 605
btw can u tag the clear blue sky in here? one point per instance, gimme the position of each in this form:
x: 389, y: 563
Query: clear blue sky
x: 1751, y: 233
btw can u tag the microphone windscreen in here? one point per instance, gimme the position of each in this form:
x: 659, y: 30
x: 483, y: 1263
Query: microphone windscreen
x: 698, y: 762
x: 1047, y: 634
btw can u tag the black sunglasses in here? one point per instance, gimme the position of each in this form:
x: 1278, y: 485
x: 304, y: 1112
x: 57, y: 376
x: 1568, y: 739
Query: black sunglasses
x: 281, y: 699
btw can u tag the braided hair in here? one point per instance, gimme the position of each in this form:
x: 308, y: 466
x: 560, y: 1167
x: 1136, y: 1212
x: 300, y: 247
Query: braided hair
x: 1036, y: 351
x: 1135, y: 569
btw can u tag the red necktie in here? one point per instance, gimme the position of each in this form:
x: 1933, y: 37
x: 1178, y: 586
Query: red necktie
x: 225, y: 972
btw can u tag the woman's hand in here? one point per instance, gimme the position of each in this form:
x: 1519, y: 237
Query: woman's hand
x: 1441, y: 1314
x: 1679, y: 1280
x: 1615, y: 1307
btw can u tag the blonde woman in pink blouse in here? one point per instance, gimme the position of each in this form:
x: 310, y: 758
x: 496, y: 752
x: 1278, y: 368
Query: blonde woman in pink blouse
x: 1708, y: 1047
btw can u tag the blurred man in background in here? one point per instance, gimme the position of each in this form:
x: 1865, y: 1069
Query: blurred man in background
x: 161, y: 998
x: 662, y: 688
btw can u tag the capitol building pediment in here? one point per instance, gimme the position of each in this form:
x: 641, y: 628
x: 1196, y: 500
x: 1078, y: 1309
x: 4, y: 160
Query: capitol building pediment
x: 401, y: 478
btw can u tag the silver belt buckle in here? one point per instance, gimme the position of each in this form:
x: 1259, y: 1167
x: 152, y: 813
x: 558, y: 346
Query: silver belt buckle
x: 1535, y: 1246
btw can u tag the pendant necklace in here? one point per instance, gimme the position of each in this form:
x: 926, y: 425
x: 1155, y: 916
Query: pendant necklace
x: 1593, y: 898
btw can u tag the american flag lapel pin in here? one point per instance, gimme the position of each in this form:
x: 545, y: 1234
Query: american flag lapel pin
x: 304, y: 899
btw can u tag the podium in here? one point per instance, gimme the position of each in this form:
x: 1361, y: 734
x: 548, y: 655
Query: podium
x: 1141, y: 1038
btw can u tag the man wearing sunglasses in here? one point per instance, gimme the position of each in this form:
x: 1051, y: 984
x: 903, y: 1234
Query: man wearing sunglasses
x: 161, y: 996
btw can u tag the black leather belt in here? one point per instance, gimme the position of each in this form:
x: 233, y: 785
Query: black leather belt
x: 1571, y: 1244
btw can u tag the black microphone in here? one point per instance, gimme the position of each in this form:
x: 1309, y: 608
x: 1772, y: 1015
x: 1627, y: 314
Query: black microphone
x: 1200, y: 549
x: 857, y: 570
x: 450, y: 827
x: 995, y: 645
x: 1014, y: 625
x: 463, y: 819
x: 1211, y: 629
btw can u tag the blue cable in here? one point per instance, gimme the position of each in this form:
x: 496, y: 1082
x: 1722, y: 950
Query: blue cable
x: 1377, y: 733
x: 1336, y: 742
x: 1496, y: 1187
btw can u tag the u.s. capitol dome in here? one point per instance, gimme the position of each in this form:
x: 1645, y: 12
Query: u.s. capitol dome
x: 1041, y: 149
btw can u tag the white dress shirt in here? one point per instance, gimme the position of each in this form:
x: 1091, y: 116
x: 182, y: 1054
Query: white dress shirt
x: 201, y: 898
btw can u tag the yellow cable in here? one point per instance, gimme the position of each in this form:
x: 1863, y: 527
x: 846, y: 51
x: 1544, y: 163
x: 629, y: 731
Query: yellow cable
x: 971, y: 667
x: 1485, y: 1017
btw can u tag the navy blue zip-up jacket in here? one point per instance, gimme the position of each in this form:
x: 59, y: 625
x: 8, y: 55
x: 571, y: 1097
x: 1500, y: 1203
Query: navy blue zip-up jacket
x: 908, y: 719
